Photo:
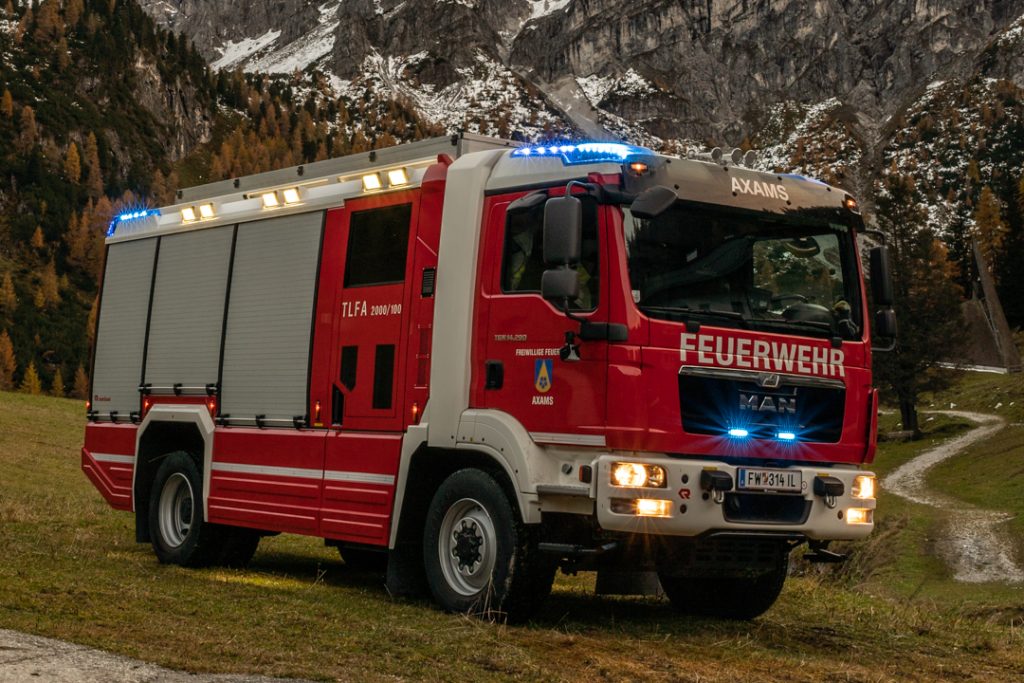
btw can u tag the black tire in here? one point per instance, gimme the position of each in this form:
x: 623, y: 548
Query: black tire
x: 741, y: 598
x: 478, y: 555
x: 239, y: 545
x: 182, y: 537
x: 364, y: 559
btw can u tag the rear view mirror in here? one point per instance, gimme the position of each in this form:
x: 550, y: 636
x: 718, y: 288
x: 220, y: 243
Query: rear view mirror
x: 881, y: 276
x: 560, y: 284
x: 563, y: 231
x: 653, y: 202
x: 885, y: 323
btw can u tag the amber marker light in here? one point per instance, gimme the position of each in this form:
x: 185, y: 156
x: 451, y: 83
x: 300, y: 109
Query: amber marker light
x: 371, y: 181
x: 638, y: 167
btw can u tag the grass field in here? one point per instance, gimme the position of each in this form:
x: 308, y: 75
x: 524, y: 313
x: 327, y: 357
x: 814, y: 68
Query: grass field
x: 70, y: 569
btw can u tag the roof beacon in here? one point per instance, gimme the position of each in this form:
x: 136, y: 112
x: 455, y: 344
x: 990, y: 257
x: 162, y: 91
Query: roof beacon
x: 584, y: 152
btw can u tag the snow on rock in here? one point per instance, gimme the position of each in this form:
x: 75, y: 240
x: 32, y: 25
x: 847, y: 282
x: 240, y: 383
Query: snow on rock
x: 233, y: 53
x: 304, y: 52
x: 1013, y: 34
x: 598, y: 88
x: 542, y: 8
x: 487, y: 97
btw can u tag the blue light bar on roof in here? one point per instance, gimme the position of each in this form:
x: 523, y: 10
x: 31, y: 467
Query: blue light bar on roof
x: 131, y: 216
x: 584, y: 152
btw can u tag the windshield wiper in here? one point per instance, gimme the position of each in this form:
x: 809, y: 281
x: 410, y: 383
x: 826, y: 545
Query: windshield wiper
x: 686, y: 312
x: 790, y: 324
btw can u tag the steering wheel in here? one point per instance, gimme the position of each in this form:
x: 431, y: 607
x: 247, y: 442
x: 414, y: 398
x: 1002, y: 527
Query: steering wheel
x: 789, y: 297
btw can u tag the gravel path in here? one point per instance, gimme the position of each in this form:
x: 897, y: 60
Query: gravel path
x: 27, y: 658
x: 972, y: 544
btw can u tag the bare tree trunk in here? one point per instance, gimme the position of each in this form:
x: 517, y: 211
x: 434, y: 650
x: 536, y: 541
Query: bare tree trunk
x: 908, y: 411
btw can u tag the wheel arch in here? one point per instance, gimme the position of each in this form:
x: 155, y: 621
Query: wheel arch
x: 165, y: 430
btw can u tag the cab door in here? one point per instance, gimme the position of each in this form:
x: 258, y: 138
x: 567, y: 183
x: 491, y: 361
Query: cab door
x: 559, y: 398
x: 368, y: 366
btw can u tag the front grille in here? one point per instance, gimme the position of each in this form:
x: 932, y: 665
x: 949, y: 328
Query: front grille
x: 714, y: 403
x: 765, y: 508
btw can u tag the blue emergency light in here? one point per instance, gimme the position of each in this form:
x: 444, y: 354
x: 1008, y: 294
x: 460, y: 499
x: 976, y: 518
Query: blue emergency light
x: 131, y: 216
x: 583, y: 152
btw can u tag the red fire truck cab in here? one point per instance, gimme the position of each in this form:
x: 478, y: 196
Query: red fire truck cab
x: 481, y: 362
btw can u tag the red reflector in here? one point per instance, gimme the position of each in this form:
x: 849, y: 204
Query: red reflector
x: 211, y: 405
x: 147, y: 403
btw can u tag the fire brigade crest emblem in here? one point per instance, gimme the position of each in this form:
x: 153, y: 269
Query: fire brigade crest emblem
x: 542, y: 375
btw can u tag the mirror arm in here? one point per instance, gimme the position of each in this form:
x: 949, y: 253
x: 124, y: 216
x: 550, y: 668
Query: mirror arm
x: 885, y: 349
x: 602, y: 194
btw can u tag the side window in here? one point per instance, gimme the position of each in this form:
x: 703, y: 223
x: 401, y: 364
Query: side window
x: 378, y: 241
x: 523, y: 260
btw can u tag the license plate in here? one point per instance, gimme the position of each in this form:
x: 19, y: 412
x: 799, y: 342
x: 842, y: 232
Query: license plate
x: 786, y: 481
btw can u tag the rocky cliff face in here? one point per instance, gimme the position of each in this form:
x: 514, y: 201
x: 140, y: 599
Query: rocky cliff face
x: 707, y: 69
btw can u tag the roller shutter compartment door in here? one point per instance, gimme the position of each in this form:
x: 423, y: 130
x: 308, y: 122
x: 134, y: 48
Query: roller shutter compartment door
x: 121, y: 332
x: 188, y: 308
x: 270, y: 313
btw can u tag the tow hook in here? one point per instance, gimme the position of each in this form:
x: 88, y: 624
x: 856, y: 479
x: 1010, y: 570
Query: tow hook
x: 818, y: 552
x: 716, y: 483
x: 828, y: 488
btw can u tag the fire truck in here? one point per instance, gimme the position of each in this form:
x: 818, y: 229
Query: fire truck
x: 473, y: 363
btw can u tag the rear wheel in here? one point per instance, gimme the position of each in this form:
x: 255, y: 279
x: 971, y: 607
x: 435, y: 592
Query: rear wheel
x: 176, y: 525
x: 479, y: 557
x: 726, y: 597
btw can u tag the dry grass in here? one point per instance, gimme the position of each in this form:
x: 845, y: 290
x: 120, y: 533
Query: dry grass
x: 69, y: 569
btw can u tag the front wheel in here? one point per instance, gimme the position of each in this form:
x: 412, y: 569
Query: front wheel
x: 478, y: 556
x: 726, y: 597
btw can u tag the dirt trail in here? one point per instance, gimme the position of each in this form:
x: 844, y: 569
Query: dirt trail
x: 27, y: 658
x: 972, y: 543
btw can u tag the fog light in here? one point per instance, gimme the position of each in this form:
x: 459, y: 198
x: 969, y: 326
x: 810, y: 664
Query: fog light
x: 859, y: 516
x: 650, y: 507
x: 636, y: 475
x: 863, y: 487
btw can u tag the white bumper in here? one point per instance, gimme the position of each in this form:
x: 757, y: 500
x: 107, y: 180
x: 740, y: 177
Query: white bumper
x: 694, y: 512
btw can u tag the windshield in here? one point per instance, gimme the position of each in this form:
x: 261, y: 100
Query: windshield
x: 745, y: 270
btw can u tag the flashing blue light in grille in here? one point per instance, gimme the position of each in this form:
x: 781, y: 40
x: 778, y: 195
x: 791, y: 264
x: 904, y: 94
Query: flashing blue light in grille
x: 738, y: 433
x: 786, y: 436
x: 130, y: 216
x: 584, y: 152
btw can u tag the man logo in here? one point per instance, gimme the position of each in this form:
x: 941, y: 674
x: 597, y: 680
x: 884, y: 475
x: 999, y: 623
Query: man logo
x: 542, y: 373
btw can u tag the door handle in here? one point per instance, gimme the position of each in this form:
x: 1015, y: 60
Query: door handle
x: 494, y: 374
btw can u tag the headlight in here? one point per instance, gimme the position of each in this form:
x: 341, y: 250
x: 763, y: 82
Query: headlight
x: 863, y: 487
x: 637, y: 475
